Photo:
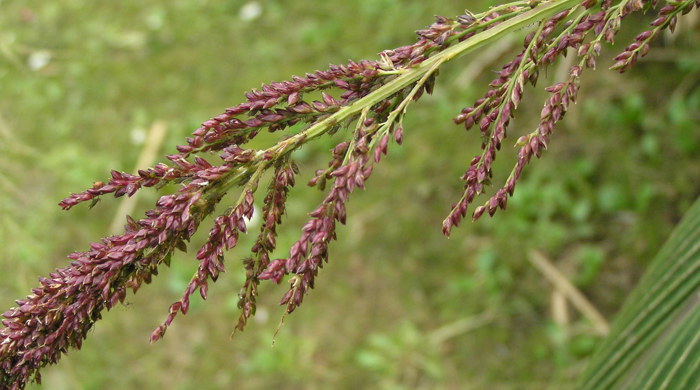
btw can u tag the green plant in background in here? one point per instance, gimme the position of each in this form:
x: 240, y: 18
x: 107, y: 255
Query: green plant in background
x: 371, y: 98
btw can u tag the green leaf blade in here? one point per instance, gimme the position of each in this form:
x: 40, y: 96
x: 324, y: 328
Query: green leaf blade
x: 654, y: 343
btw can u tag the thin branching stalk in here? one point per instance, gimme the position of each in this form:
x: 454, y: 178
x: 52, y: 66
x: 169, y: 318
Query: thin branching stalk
x: 367, y: 102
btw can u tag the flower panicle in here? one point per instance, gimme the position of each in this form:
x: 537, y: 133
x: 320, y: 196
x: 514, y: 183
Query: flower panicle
x: 60, y: 312
x: 266, y: 242
x: 222, y: 236
x: 351, y: 165
x: 667, y: 18
x: 579, y: 30
x: 194, y: 174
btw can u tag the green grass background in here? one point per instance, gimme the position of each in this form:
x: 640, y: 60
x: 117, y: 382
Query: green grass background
x: 82, y: 82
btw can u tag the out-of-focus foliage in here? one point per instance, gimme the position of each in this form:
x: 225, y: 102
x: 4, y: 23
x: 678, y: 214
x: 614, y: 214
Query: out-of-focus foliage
x: 82, y: 83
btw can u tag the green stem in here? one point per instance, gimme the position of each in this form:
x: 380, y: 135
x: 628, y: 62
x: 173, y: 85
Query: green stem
x: 400, y: 110
x: 403, y: 80
x: 414, y: 74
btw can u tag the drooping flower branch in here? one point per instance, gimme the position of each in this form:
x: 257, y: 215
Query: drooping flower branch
x: 368, y: 100
x: 585, y: 28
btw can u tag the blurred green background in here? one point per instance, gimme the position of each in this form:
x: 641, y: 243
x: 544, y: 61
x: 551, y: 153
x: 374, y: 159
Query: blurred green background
x: 399, y: 306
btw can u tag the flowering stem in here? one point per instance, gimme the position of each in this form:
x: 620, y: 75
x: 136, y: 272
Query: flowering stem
x: 404, y: 79
x: 374, y: 96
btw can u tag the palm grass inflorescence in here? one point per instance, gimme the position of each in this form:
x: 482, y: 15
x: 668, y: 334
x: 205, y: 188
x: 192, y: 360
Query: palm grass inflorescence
x: 367, y: 101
